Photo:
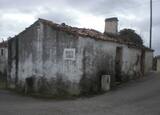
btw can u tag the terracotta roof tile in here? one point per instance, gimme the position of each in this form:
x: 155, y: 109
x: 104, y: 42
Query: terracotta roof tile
x: 92, y: 34
x: 4, y: 44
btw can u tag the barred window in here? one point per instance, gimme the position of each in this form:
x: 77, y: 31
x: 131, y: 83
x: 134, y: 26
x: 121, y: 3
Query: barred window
x: 2, y: 52
x: 69, y: 54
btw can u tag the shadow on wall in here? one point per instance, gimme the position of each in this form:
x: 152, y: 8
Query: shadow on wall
x: 94, y: 67
x: 40, y: 85
x: 3, y: 80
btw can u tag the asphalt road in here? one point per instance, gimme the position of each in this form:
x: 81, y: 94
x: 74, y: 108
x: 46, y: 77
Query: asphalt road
x: 140, y: 97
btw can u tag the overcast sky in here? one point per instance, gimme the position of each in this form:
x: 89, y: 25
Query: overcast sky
x: 16, y: 15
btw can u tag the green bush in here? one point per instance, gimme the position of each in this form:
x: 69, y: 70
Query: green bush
x: 129, y: 35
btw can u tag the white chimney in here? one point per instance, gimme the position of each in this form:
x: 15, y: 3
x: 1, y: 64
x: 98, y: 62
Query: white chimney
x: 111, y: 25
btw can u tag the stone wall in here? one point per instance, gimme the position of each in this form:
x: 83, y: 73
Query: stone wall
x: 3, y: 63
x: 49, y: 61
x: 131, y: 63
x: 37, y: 62
x: 19, y: 62
x: 99, y: 59
x: 148, y: 61
x: 12, y: 62
x: 158, y: 65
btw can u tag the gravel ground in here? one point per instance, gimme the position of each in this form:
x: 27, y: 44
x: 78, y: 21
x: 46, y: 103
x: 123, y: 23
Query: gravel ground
x: 140, y: 97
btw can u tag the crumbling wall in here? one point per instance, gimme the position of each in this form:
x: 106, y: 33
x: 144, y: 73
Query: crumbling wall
x: 21, y: 49
x: 30, y: 58
x: 37, y: 63
x: 47, y: 60
x: 131, y: 67
x: 62, y: 74
x: 98, y: 60
x: 11, y: 77
x: 158, y: 64
x: 3, y: 62
x: 148, y: 61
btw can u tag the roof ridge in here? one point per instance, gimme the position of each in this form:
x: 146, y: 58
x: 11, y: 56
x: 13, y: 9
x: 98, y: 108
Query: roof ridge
x: 91, y: 33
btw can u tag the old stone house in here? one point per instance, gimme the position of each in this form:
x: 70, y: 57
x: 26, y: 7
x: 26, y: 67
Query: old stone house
x: 58, y: 59
x: 3, y: 60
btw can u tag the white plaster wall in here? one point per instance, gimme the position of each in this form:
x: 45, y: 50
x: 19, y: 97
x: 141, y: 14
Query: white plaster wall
x: 148, y: 61
x: 104, y: 46
x: 158, y: 65
x: 108, y: 47
x: 53, y: 66
x: 96, y: 52
x: 42, y: 61
x: 39, y: 51
x: 30, y: 59
x: 73, y: 68
x: 12, y: 72
x: 130, y: 57
x: 69, y: 69
x: 11, y: 77
x: 3, y: 60
x: 25, y: 68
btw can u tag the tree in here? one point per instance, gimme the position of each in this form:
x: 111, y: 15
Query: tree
x: 129, y: 35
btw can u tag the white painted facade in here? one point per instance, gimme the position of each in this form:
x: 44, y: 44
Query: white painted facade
x: 3, y: 59
x: 148, y: 61
x: 158, y: 65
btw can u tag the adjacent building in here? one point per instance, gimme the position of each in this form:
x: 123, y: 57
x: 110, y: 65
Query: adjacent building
x: 58, y: 59
x: 3, y: 60
x: 157, y: 63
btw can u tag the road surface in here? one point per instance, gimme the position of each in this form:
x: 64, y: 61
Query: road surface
x: 140, y: 97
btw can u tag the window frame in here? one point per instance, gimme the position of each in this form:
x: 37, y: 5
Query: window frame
x: 65, y: 57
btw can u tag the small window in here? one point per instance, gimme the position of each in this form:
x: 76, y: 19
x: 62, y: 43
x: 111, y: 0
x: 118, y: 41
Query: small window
x: 69, y: 54
x: 2, y: 52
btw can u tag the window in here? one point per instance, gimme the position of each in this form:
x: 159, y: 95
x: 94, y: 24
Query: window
x: 2, y: 52
x: 69, y: 54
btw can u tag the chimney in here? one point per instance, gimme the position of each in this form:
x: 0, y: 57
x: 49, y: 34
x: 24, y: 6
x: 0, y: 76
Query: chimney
x: 111, y: 25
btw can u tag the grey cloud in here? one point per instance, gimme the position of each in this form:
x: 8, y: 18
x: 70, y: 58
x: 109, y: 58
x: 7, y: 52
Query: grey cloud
x: 10, y: 28
x: 57, y: 11
x: 60, y: 17
x: 103, y: 7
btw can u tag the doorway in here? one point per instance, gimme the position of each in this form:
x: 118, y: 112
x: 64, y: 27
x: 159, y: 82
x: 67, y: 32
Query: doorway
x: 143, y: 62
x: 118, y: 64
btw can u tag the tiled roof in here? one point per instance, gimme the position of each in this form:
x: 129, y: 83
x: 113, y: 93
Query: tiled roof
x: 3, y: 44
x: 94, y: 34
x: 78, y: 31
x: 158, y: 57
